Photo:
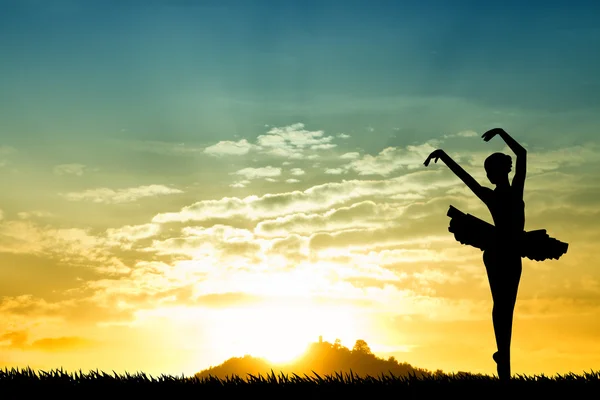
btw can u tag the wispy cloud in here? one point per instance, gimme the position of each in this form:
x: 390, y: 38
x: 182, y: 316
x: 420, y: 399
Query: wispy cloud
x: 240, y: 184
x: 315, y: 198
x: 131, y: 233
x: 249, y: 174
x: 467, y: 133
x: 69, y: 169
x: 292, y: 142
x: 35, y: 213
x: 111, y: 196
x: 350, y: 156
x: 365, y: 214
x: 390, y: 160
x: 227, y: 147
x: 255, y: 173
x: 6, y: 151
x: 165, y: 148
x: 71, y: 246
x: 19, y: 340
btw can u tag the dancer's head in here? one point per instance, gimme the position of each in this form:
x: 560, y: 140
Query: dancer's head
x: 497, y: 166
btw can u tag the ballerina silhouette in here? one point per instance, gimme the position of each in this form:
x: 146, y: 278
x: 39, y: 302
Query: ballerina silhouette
x: 505, y: 242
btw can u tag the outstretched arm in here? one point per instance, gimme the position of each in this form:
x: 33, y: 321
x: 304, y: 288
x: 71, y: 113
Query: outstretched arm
x: 458, y: 171
x: 521, y: 167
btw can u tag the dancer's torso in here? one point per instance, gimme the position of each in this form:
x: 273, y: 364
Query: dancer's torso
x: 508, y: 212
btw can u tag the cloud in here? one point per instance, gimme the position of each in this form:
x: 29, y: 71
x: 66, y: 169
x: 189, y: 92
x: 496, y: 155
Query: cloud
x: 132, y: 233
x: 71, y: 246
x: 19, y: 339
x: 292, y: 246
x: 467, y: 133
x: 381, y: 240
x: 292, y: 180
x: 111, y: 196
x: 256, y: 173
x: 291, y: 142
x: 366, y: 214
x: 14, y: 339
x: 320, y: 197
x: 541, y: 160
x: 165, y: 148
x: 64, y: 343
x: 35, y: 213
x: 343, y: 136
x: 391, y: 159
x: 24, y: 236
x: 69, y: 169
x: 335, y: 171
x: 573, y: 156
x: 283, y: 242
x: 217, y: 245
x: 227, y: 147
x: 324, y: 146
x: 350, y: 156
x: 293, y: 136
x: 240, y: 184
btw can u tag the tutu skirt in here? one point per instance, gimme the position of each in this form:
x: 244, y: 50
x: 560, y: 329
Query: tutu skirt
x: 535, y: 245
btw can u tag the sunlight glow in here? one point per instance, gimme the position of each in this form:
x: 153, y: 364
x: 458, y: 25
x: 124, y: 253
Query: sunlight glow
x: 281, y: 332
x: 278, y: 332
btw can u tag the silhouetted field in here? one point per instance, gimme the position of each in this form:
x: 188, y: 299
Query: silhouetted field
x: 26, y: 383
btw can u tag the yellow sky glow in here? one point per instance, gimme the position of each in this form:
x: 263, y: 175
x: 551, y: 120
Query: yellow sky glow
x: 191, y: 281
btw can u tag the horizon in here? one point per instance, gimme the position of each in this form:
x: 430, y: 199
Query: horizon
x: 183, y: 183
x: 321, y: 357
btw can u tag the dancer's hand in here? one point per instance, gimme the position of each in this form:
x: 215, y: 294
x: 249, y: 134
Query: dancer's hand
x: 436, y: 154
x: 491, y: 133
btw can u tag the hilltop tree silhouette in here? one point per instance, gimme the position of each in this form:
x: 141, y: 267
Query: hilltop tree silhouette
x: 361, y: 347
x: 323, y: 358
x: 505, y: 242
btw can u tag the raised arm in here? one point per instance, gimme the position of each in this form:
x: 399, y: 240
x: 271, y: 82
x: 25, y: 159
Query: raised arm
x: 521, y: 167
x: 464, y: 176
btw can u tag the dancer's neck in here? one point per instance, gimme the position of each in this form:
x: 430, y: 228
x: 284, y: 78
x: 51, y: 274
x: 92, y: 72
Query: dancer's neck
x: 504, y: 184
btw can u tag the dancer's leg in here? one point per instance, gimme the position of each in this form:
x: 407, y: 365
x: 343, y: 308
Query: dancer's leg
x: 504, y: 273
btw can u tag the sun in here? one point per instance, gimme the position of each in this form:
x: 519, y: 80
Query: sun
x: 280, y: 333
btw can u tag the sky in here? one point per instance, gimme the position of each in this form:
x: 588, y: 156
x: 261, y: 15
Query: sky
x: 183, y: 182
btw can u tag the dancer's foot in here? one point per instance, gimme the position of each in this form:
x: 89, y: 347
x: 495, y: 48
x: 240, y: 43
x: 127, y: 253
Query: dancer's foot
x: 503, y: 366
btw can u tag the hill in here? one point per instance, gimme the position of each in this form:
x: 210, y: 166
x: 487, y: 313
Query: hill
x: 322, y: 357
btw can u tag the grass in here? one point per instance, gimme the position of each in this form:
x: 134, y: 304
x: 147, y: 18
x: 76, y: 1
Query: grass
x: 27, y: 383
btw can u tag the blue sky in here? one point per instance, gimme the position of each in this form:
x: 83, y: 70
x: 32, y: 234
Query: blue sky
x: 176, y: 70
